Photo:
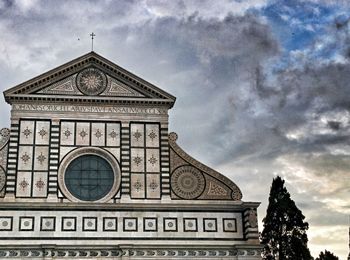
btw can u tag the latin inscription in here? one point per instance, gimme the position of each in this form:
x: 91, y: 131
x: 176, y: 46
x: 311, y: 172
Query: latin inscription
x: 89, y: 109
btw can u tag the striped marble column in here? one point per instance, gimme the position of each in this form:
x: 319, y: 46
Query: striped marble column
x: 12, y: 158
x: 164, y: 160
x: 54, y: 156
x: 125, y: 158
x: 251, y: 224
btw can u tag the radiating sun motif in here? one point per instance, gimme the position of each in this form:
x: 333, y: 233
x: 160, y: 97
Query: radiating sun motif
x: 91, y: 81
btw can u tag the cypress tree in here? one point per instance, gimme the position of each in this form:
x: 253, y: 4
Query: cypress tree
x: 284, y: 234
x: 327, y: 256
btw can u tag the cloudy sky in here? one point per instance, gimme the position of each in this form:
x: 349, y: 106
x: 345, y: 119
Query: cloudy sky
x: 262, y: 86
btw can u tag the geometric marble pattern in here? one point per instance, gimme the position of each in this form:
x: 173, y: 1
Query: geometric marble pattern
x: 47, y: 224
x: 6, y: 223
x: 26, y: 132
x: 89, y: 224
x: 33, y: 155
x: 26, y: 224
x: 69, y: 224
x: 145, y: 160
x: 146, y: 223
x: 190, y: 225
x: 170, y: 224
x: 130, y: 224
x: 150, y: 224
x: 110, y: 224
x: 229, y: 225
x: 210, y: 225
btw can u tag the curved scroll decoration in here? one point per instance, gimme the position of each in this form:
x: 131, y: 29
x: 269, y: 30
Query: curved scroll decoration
x: 236, y: 193
x: 4, y: 139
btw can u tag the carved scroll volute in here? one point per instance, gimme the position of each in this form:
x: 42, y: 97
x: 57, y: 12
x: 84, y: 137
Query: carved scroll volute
x: 217, y: 185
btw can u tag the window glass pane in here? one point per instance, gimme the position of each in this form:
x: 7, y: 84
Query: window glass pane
x: 89, y: 177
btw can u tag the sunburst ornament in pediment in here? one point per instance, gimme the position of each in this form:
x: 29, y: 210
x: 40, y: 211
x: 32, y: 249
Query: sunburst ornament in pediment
x: 91, y: 81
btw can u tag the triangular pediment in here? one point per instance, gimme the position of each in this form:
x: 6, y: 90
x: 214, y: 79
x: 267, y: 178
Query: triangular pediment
x: 87, y: 79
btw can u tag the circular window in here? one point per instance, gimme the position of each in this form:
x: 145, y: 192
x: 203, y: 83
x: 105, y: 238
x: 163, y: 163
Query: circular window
x: 89, y: 177
x: 89, y: 174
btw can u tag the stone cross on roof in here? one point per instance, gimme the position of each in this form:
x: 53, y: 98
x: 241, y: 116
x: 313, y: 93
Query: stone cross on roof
x: 92, y: 40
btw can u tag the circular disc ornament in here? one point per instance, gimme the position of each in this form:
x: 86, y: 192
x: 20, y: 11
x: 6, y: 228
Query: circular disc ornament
x: 187, y: 182
x: 91, y: 81
x: 5, y: 132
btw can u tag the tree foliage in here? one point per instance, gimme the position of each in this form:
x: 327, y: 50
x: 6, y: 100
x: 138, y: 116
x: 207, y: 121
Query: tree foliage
x: 284, y: 234
x: 327, y: 256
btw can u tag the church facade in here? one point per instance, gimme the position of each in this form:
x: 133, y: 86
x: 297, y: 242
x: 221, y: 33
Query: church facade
x: 89, y: 169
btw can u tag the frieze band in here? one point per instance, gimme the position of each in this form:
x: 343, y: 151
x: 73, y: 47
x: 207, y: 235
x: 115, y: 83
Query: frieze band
x: 89, y: 109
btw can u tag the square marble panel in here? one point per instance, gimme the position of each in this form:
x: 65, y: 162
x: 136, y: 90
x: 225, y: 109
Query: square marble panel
x: 130, y: 224
x: 64, y: 150
x: 6, y: 223
x: 190, y: 225
x: 26, y: 224
x: 170, y: 224
x: 137, y: 160
x: 69, y: 224
x: 137, y: 186
x: 152, y: 160
x: 26, y: 132
x: 42, y: 132
x: 40, y: 184
x: 89, y: 224
x: 229, y: 224
x: 150, y: 224
x: 153, y: 185
x: 47, y: 223
x: 41, y: 158
x: 152, y: 135
x: 114, y: 151
x: 98, y: 134
x: 210, y: 225
x: 110, y: 224
x: 137, y: 135
x: 82, y: 136
x: 23, y: 184
x: 113, y: 134
x: 25, y: 157
x: 67, y: 133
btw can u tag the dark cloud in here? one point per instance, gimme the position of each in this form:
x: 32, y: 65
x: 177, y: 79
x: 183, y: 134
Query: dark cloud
x: 334, y: 125
x: 245, y: 105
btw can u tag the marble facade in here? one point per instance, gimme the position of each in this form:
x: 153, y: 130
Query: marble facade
x: 89, y: 169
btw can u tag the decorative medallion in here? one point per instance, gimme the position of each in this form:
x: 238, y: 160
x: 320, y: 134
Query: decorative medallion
x: 83, y: 134
x: 25, y: 158
x: 137, y: 160
x: 91, y: 81
x: 24, y: 184
x: 137, y: 135
x: 27, y: 132
x: 67, y: 133
x: 2, y: 178
x: 152, y: 160
x: 138, y: 185
x: 152, y: 135
x: 42, y: 133
x: 113, y: 134
x: 41, y: 158
x: 153, y: 185
x: 40, y: 184
x: 98, y: 134
x: 187, y: 182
